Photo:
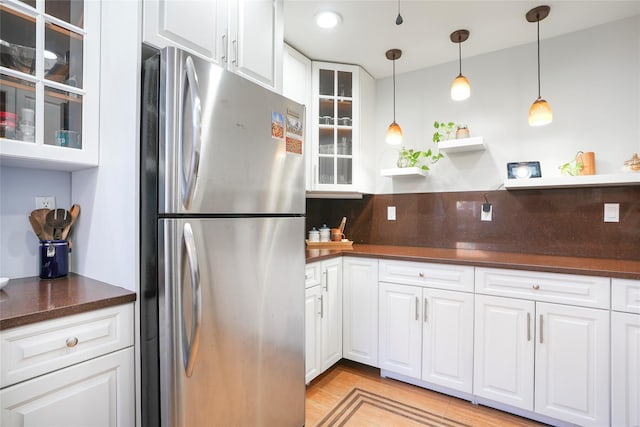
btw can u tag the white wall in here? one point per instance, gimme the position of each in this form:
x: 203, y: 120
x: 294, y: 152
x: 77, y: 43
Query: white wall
x: 18, y: 189
x: 108, y: 195
x: 590, y: 78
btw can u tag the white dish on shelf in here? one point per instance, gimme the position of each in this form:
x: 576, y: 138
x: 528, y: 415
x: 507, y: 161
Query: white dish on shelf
x: 3, y: 281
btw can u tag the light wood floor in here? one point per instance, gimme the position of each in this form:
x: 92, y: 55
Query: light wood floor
x: 331, y: 387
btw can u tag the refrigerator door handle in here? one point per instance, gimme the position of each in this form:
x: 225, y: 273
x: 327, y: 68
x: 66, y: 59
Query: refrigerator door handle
x: 189, y: 177
x: 190, y: 347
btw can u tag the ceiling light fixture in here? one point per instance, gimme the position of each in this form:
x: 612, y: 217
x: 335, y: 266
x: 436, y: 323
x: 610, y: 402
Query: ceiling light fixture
x: 460, y: 88
x: 328, y: 19
x: 394, y: 133
x: 540, y: 112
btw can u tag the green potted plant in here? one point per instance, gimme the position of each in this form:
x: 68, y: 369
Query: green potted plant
x: 573, y: 167
x: 443, y: 131
x: 409, y: 158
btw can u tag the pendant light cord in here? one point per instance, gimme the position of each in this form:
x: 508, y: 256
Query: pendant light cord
x: 460, y: 56
x: 394, y: 88
x: 538, y: 56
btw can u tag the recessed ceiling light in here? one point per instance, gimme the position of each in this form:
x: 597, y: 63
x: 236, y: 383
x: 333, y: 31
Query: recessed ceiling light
x: 328, y: 19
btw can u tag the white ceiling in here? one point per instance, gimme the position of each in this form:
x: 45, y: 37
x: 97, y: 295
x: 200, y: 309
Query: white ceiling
x: 368, y: 28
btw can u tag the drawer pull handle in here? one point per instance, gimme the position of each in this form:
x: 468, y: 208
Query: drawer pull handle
x: 536, y: 287
x: 421, y: 274
x: 72, y: 342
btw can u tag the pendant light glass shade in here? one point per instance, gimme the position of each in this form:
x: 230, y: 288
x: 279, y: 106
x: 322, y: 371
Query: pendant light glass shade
x: 540, y: 113
x: 394, y: 134
x: 460, y: 88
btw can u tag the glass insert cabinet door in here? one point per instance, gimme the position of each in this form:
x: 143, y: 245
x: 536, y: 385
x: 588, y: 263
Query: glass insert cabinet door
x: 335, y: 136
x: 42, y: 88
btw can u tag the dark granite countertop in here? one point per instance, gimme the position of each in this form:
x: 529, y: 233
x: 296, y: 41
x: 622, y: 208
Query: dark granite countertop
x: 625, y: 269
x: 31, y: 299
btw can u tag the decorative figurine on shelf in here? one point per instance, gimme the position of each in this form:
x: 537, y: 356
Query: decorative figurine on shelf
x: 462, y: 131
x: 633, y: 164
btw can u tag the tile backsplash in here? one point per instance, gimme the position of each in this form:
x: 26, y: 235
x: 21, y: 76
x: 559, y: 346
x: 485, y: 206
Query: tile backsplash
x: 567, y: 222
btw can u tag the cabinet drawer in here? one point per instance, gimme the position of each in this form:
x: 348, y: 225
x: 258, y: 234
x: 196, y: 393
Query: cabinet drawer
x: 311, y: 275
x: 32, y: 350
x: 625, y: 295
x: 441, y: 276
x: 587, y: 291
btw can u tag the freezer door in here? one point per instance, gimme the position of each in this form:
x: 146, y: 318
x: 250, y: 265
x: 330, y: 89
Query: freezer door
x: 227, y: 145
x: 232, y: 322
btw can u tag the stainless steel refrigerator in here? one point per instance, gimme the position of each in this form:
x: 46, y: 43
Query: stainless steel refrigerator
x: 222, y: 251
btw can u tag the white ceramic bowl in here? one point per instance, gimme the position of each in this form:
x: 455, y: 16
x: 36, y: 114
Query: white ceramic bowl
x: 3, y: 281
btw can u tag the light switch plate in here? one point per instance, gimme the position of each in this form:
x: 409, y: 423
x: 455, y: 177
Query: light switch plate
x: 612, y: 212
x: 391, y: 213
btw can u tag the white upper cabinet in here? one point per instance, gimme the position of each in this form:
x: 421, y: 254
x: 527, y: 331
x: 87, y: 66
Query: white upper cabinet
x: 296, y: 85
x: 199, y: 27
x: 244, y: 36
x: 256, y: 34
x: 49, y: 84
x: 341, y: 126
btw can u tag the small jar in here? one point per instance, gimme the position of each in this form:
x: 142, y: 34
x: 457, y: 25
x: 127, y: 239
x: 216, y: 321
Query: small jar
x: 314, y: 235
x: 462, y: 132
x: 8, y: 125
x: 325, y: 233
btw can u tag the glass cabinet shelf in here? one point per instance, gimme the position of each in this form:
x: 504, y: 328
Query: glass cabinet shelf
x: 334, y: 136
x: 47, y: 48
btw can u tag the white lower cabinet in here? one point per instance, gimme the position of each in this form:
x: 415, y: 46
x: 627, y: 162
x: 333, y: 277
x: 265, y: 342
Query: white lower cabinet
x: 400, y: 329
x: 360, y: 310
x: 625, y: 353
x: 99, y: 392
x: 313, y: 329
x: 426, y: 333
x: 552, y: 359
x: 76, y: 370
x: 447, y: 339
x: 323, y: 329
x: 504, y: 358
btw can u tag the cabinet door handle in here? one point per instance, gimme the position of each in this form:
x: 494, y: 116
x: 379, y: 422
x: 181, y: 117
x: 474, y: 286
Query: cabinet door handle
x: 235, y: 52
x: 417, y: 304
x: 225, y: 49
x: 321, y: 306
x: 421, y: 275
x: 528, y: 326
x: 536, y: 287
x: 426, y: 310
x: 326, y: 280
x: 541, y: 338
x: 72, y: 342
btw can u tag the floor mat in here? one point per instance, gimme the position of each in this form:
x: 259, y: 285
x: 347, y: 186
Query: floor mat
x: 363, y: 408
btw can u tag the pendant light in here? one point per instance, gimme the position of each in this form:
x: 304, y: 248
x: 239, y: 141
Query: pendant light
x: 540, y: 111
x: 399, y: 19
x: 460, y: 88
x: 394, y: 133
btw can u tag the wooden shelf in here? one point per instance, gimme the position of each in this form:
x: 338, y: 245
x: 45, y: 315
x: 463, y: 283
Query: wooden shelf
x: 414, y: 171
x: 475, y: 143
x: 628, y: 178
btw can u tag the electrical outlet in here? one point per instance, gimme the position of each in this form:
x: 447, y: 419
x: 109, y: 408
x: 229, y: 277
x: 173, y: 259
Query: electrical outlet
x: 45, y: 202
x: 486, y: 214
